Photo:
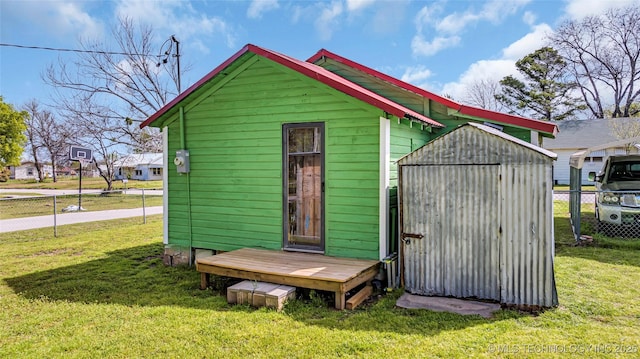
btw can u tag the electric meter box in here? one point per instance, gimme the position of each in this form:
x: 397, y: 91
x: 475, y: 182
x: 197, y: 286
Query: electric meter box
x: 182, y: 161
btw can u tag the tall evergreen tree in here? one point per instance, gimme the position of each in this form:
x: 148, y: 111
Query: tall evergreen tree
x: 545, y: 93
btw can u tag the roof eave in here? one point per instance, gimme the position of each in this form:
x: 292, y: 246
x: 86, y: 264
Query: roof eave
x: 546, y: 128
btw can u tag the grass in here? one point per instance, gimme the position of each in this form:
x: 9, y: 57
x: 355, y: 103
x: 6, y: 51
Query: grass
x: 566, y: 187
x: 43, y: 205
x: 100, y: 290
x: 72, y: 183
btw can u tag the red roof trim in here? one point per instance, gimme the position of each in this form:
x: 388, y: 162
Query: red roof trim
x: 313, y: 71
x: 541, y: 126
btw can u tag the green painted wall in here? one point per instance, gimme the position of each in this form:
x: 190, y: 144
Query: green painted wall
x: 234, y: 189
x: 406, y: 137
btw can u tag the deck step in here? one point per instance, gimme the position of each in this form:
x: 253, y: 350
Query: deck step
x: 359, y: 297
x: 260, y: 294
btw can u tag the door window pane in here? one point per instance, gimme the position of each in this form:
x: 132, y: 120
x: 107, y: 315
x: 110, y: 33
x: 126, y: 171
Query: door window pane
x: 304, y: 187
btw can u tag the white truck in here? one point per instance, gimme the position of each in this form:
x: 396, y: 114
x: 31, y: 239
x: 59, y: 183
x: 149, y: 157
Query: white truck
x: 618, y: 193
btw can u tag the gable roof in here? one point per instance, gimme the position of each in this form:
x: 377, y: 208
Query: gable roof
x: 313, y: 71
x: 492, y: 146
x: 461, y: 110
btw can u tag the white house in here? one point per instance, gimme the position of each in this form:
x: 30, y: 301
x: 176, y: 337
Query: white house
x: 27, y: 170
x: 139, y: 166
x: 577, y: 135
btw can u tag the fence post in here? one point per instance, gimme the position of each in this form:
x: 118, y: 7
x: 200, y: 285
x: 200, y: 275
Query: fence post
x: 144, y: 212
x: 55, y: 210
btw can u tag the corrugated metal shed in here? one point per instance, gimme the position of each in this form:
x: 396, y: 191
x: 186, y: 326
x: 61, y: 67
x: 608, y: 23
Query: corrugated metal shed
x: 477, y: 218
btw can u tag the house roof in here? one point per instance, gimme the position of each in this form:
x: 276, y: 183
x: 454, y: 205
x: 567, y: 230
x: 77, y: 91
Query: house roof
x: 450, y: 149
x: 311, y: 70
x: 137, y: 159
x: 544, y: 127
x: 582, y: 134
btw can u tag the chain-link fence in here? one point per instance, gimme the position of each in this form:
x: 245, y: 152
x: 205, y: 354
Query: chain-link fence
x: 54, y: 210
x: 606, y: 213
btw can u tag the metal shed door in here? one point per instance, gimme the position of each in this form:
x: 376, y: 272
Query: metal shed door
x: 456, y: 208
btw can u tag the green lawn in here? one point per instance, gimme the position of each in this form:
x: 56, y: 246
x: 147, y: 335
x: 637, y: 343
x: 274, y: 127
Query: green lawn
x: 41, y: 206
x: 101, y: 290
x: 72, y: 183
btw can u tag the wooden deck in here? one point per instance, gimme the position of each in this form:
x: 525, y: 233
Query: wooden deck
x: 314, y: 271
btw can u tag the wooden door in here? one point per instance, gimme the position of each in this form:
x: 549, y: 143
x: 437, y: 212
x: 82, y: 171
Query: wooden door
x: 303, y: 173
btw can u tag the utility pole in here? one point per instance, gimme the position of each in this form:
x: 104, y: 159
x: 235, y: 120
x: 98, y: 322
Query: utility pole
x: 177, y: 56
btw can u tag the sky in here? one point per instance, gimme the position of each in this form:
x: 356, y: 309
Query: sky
x: 441, y: 46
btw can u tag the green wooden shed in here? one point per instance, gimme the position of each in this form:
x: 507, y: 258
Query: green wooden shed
x: 270, y: 152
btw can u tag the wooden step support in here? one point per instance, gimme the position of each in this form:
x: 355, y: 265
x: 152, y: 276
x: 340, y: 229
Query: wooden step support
x: 359, y: 297
x: 260, y: 294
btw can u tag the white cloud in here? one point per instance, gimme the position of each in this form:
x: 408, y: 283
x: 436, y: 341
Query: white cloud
x: 488, y: 70
x: 493, y: 11
x: 355, y: 5
x: 529, y: 18
x: 76, y: 20
x: 420, y: 46
x: 328, y: 21
x: 179, y: 18
x: 578, y: 9
x: 330, y: 17
x: 63, y: 20
x: 426, y: 17
x: 259, y: 7
x: 528, y: 43
x: 416, y: 75
x: 455, y: 23
x: 496, y: 10
x: 447, y: 29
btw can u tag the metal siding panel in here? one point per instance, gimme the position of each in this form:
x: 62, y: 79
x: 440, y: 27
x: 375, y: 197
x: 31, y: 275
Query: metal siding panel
x: 457, y: 256
x: 527, y: 238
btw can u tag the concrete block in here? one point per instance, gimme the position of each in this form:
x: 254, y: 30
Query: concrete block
x: 260, y: 294
x: 200, y: 253
x: 175, y: 256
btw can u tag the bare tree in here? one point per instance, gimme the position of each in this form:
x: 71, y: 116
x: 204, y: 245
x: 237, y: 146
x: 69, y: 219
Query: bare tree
x: 623, y: 128
x: 99, y: 133
x: 46, y: 136
x: 33, y: 140
x: 482, y: 93
x: 105, y: 92
x: 604, y: 53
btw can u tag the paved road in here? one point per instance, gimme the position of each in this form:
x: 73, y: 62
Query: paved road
x: 19, y: 224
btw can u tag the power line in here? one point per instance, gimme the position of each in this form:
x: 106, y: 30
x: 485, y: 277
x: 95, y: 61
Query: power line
x: 73, y: 50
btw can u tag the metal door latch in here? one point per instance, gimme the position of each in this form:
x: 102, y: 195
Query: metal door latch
x: 406, y: 237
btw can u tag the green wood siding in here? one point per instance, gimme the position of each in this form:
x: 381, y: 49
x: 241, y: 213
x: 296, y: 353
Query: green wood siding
x: 234, y: 135
x: 405, y: 138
